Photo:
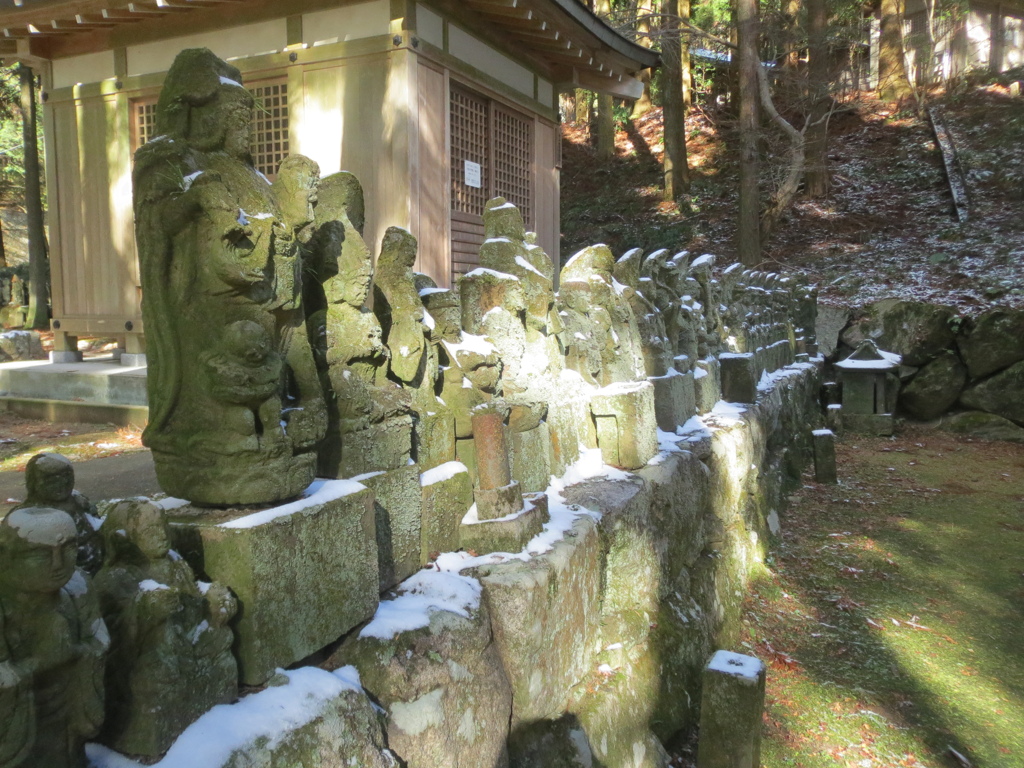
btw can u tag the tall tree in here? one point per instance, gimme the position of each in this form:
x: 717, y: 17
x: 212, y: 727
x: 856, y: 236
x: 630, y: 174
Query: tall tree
x: 38, y: 316
x: 893, y: 83
x: 605, y: 103
x: 748, y: 240
x: 816, y: 179
x: 684, y: 54
x: 676, y: 171
x: 643, y: 11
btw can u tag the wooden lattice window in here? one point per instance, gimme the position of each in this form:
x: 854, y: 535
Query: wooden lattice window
x: 269, y: 126
x: 143, y: 121
x: 469, y: 147
x: 491, y: 154
x: 513, y: 160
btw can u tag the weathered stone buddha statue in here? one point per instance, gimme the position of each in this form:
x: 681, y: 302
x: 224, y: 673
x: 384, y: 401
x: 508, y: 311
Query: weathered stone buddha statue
x: 50, y: 482
x: 236, y: 410
x: 170, y: 658
x: 52, y: 643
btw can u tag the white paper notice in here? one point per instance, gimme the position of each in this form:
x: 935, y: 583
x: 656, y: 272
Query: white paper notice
x: 472, y: 172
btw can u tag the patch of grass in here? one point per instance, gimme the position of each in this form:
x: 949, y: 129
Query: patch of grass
x: 891, y: 617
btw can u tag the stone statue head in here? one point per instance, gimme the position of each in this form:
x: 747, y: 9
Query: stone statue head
x: 135, y: 531
x: 203, y: 102
x: 296, y: 189
x: 38, y: 549
x: 247, y: 342
x: 49, y: 478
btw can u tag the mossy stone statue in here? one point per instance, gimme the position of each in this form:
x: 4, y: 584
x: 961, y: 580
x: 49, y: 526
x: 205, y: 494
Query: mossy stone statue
x: 50, y: 482
x: 236, y: 409
x: 170, y: 658
x: 52, y: 643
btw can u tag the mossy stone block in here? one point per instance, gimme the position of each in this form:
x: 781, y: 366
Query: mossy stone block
x: 396, y: 503
x: 545, y: 616
x: 530, y: 458
x: 627, y: 430
x: 443, y: 687
x: 447, y: 494
x: 304, y: 573
x: 506, y: 534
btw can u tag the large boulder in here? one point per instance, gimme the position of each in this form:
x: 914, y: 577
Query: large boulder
x: 987, y: 426
x: 1001, y: 394
x: 935, y: 387
x: 915, y: 330
x: 992, y: 341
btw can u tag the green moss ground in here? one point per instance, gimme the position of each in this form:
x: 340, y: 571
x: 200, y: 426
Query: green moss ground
x: 891, y: 613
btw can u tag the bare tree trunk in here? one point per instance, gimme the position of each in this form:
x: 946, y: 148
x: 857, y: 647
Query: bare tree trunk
x: 38, y: 265
x: 684, y: 55
x: 605, y: 127
x: 676, y: 172
x: 893, y: 83
x: 642, y: 19
x: 748, y: 242
x: 816, y: 178
x: 3, y: 249
x: 582, y: 107
x: 786, y: 193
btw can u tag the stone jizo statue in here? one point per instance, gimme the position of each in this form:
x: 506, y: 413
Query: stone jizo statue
x: 52, y: 643
x: 236, y: 408
x: 50, y: 482
x: 170, y: 658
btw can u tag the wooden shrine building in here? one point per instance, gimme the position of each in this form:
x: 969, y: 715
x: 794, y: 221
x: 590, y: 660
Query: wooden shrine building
x: 436, y: 106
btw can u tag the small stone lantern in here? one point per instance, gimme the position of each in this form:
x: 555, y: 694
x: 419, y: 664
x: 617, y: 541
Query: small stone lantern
x: 870, y: 387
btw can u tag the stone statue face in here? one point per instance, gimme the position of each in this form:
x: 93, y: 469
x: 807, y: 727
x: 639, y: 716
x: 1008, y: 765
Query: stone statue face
x: 49, y: 478
x: 146, y: 529
x: 225, y: 123
x: 247, y: 341
x: 41, y: 547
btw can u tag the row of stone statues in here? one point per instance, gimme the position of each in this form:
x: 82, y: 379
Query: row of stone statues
x: 280, y: 349
x: 104, y: 630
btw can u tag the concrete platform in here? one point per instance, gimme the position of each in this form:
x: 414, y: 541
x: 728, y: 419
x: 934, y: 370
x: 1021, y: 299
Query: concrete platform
x: 98, y: 390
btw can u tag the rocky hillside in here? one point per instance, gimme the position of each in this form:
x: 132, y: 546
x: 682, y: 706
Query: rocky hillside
x: 887, y: 229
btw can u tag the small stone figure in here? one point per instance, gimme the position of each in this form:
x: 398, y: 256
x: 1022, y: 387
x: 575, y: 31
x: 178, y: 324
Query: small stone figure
x: 52, y: 644
x: 50, y: 482
x: 170, y: 660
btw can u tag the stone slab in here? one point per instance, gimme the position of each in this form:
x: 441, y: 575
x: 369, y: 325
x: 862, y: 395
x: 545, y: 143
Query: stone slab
x: 674, y: 400
x: 397, y: 500
x: 545, y: 617
x: 627, y: 431
x: 304, y: 573
x: 530, y: 457
x: 447, y: 494
x: 506, y: 534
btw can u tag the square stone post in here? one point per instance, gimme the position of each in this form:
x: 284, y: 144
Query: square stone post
x: 730, y: 712
x: 825, y: 456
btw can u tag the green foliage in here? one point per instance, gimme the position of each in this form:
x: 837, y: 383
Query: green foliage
x: 12, y: 152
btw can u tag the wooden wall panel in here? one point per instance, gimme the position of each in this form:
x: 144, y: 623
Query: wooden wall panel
x: 65, y: 197
x: 467, y: 237
x: 434, y: 205
x: 344, y: 124
x: 547, y: 188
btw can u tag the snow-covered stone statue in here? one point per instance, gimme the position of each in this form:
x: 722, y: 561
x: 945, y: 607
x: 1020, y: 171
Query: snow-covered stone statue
x: 236, y: 410
x: 52, y: 643
x: 50, y: 482
x: 170, y: 658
